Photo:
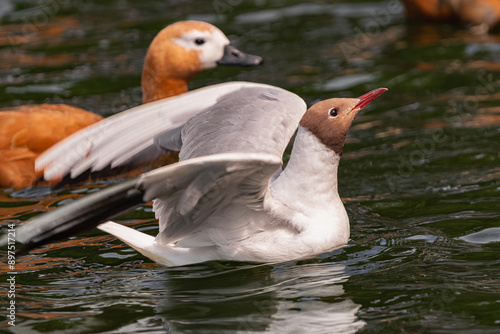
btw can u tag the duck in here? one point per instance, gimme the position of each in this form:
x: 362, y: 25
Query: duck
x: 228, y: 197
x: 483, y: 15
x: 179, y: 52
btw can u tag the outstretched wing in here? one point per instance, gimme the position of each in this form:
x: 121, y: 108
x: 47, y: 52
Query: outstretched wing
x: 183, y: 190
x: 230, y: 150
x: 188, y: 193
x: 132, y: 138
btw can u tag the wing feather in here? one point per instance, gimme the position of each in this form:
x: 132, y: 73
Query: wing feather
x: 188, y: 192
x: 255, y: 121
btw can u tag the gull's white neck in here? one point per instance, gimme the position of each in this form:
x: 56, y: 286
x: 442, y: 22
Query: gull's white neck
x: 308, y: 185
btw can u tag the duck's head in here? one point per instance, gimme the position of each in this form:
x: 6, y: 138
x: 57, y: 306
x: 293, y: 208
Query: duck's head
x: 182, y: 50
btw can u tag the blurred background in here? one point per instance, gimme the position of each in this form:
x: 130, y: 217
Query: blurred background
x: 420, y: 175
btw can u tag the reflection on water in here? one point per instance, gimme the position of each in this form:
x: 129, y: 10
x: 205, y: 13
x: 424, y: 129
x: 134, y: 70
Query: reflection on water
x: 420, y: 175
x: 282, y: 298
x: 486, y: 236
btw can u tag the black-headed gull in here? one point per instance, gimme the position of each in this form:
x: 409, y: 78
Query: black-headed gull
x: 227, y: 198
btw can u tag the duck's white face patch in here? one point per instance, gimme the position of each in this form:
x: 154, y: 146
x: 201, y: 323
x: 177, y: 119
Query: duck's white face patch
x: 209, y: 45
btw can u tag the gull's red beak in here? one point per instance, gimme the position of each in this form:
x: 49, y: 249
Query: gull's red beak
x: 368, y: 97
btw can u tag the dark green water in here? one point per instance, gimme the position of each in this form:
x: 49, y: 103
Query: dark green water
x: 420, y: 174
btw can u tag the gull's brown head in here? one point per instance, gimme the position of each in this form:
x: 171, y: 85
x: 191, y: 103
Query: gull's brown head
x: 330, y: 120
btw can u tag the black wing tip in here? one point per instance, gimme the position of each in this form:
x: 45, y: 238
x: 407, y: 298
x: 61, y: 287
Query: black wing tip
x: 84, y: 214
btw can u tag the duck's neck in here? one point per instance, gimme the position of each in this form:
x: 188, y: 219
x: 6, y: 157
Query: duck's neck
x: 156, y: 86
x: 309, y: 181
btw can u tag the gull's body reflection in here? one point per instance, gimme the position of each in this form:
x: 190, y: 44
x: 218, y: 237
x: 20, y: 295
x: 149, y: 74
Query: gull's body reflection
x: 283, y: 298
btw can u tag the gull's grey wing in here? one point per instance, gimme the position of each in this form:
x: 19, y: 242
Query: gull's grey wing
x: 131, y: 138
x: 185, y: 191
x: 252, y: 127
x: 188, y: 193
x: 254, y: 120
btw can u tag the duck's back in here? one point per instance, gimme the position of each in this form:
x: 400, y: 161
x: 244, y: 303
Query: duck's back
x: 26, y: 131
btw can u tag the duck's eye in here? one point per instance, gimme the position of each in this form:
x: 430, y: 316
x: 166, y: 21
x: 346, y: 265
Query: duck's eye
x: 199, y: 41
x: 333, y: 112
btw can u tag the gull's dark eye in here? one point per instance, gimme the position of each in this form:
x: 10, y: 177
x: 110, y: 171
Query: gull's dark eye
x: 333, y: 112
x: 199, y: 41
